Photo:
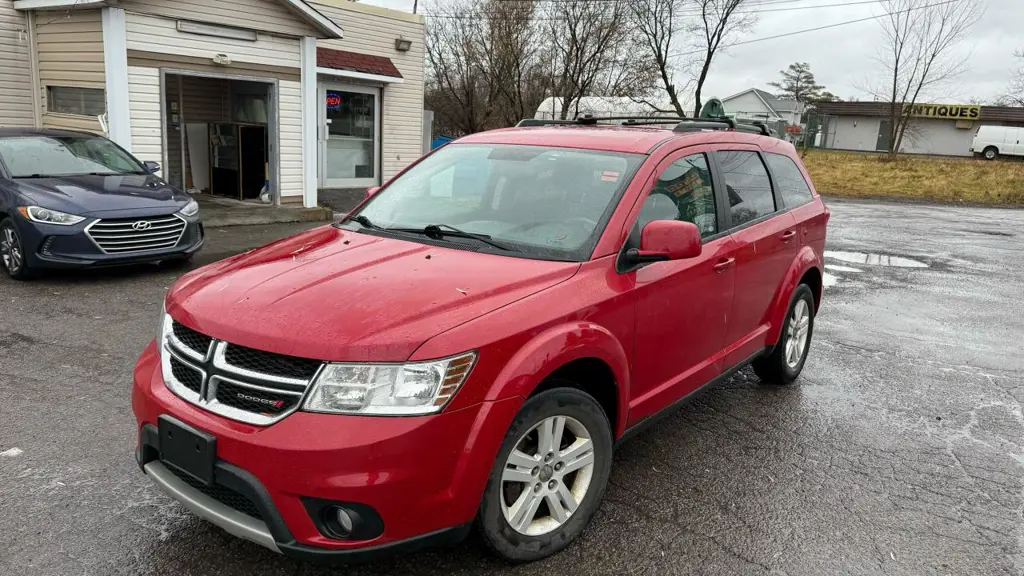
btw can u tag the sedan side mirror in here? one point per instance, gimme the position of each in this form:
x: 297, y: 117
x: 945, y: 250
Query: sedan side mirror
x: 663, y: 240
x: 371, y: 191
x: 151, y: 167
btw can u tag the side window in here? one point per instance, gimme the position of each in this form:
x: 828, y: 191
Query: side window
x: 747, y: 184
x: 789, y: 179
x: 683, y: 191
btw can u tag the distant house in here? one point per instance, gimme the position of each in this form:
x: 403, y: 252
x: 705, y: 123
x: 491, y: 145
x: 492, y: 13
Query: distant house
x: 760, y: 105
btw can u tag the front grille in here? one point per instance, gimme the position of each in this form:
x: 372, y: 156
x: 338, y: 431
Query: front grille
x: 270, y: 363
x: 197, y: 342
x: 240, y: 383
x: 223, y: 494
x: 248, y: 399
x: 187, y: 375
x: 137, y: 234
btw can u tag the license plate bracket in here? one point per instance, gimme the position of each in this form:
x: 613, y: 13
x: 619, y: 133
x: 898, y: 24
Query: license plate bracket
x: 187, y: 449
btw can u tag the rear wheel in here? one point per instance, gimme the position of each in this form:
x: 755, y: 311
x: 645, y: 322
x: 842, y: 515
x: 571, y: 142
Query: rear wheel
x: 787, y: 359
x: 12, y: 253
x: 990, y: 153
x: 549, y: 477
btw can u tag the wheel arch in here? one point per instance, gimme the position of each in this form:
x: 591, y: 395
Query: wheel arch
x: 806, y: 268
x: 582, y: 354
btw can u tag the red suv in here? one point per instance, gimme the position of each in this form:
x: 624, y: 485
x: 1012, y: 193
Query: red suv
x: 470, y: 344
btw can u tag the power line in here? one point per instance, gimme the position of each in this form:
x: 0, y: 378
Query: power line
x: 837, y: 24
x: 687, y: 13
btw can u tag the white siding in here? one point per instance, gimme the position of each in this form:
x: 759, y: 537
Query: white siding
x: 15, y: 76
x: 747, y: 105
x: 70, y: 49
x: 371, y: 30
x: 266, y: 15
x: 289, y: 122
x: 156, y: 34
x: 144, y: 103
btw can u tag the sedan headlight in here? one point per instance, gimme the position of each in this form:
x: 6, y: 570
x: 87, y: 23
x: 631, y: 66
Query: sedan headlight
x: 47, y: 216
x: 389, y: 389
x: 190, y: 209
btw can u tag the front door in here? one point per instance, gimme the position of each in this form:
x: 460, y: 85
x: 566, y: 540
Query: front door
x: 682, y: 306
x: 349, y: 136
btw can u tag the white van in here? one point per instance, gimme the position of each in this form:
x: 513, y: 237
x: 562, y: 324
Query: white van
x: 993, y: 141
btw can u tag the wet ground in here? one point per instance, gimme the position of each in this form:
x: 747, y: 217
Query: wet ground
x: 899, y: 451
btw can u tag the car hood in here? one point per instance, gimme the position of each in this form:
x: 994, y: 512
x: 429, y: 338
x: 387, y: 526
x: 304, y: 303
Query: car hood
x: 336, y: 295
x: 94, y: 195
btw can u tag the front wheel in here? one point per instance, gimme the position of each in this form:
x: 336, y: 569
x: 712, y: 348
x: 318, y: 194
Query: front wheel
x: 549, y: 477
x: 12, y: 253
x: 787, y: 359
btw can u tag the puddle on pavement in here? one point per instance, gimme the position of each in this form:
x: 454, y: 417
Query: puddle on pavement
x: 829, y: 280
x: 874, y: 259
x: 838, y: 268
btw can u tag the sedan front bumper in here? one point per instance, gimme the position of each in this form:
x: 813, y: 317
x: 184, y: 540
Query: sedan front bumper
x: 106, y: 242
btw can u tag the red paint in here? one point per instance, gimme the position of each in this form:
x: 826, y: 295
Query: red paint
x: 670, y: 239
x: 660, y: 330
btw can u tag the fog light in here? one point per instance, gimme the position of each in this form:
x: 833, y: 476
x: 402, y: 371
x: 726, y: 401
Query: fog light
x: 345, y: 521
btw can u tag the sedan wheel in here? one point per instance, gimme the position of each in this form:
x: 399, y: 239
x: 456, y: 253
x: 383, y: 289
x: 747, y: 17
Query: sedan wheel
x: 11, y: 255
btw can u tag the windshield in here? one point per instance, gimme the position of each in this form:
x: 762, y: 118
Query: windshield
x: 41, y: 156
x: 544, y: 202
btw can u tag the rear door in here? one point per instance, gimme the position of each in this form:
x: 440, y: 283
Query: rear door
x: 1011, y: 141
x: 794, y: 193
x: 682, y: 306
x: 766, y: 243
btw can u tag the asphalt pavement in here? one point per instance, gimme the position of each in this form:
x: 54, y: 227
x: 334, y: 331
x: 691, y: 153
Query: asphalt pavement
x: 899, y: 451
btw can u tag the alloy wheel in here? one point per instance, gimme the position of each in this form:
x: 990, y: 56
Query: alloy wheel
x: 796, y: 333
x: 547, y: 475
x: 10, y: 250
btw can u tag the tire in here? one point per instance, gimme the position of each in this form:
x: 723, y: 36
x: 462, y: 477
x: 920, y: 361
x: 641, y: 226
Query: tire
x: 778, y: 367
x: 557, y: 478
x: 12, y: 252
x: 990, y: 153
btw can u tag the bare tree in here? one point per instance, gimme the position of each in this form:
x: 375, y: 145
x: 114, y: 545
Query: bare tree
x: 918, y: 54
x: 659, y: 22
x: 1015, y: 92
x: 511, y: 44
x: 716, y: 23
x: 455, y: 91
x: 594, y: 52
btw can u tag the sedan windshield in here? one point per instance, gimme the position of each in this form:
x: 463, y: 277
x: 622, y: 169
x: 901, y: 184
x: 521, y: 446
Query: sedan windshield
x: 42, y: 156
x: 536, y: 201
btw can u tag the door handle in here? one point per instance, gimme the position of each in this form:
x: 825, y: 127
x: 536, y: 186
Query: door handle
x: 724, y: 264
x: 788, y: 235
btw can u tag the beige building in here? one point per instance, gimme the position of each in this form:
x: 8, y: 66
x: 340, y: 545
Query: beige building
x: 231, y: 97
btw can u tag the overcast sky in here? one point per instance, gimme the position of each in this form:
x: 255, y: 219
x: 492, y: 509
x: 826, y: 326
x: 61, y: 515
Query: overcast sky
x: 841, y: 58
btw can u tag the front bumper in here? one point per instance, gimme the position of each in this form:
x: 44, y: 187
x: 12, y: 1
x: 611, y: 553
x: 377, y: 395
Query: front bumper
x: 56, y: 247
x: 423, y: 476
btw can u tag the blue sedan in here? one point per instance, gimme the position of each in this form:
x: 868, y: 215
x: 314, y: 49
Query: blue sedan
x: 76, y: 200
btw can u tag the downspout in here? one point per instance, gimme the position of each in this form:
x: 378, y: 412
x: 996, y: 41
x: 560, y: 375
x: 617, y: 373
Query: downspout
x: 33, y: 65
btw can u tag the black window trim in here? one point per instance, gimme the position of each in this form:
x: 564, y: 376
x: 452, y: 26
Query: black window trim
x: 780, y: 200
x: 724, y: 194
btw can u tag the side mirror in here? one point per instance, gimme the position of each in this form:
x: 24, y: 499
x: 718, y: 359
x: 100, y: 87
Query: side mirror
x: 664, y: 240
x: 372, y: 190
x: 151, y: 167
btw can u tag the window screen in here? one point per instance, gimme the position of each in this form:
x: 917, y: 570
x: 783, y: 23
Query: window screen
x: 80, y: 101
x: 790, y: 180
x: 747, y: 184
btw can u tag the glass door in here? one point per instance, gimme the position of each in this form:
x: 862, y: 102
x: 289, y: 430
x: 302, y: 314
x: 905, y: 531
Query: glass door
x: 349, y: 136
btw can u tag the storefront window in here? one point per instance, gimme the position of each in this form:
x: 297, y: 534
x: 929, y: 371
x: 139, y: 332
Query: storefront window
x: 351, y: 135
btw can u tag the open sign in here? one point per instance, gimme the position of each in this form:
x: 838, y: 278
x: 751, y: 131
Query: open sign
x: 333, y: 101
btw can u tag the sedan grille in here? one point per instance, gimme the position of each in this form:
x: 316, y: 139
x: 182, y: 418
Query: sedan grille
x: 236, y: 382
x: 137, y: 234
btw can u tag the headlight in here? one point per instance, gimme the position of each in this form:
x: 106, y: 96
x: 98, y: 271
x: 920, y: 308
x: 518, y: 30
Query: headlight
x: 190, y: 209
x: 161, y: 338
x: 389, y: 389
x: 47, y: 216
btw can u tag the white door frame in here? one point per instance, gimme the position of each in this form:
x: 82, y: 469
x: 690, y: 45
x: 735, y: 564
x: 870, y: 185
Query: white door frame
x: 322, y: 135
x: 273, y: 134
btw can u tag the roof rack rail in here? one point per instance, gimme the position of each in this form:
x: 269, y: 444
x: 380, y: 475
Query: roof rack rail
x: 683, y: 123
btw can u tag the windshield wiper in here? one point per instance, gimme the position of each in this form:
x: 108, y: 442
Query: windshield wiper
x: 362, y: 221
x: 436, y: 231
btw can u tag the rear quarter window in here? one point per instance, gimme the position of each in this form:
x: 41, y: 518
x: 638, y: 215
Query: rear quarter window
x: 789, y: 180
